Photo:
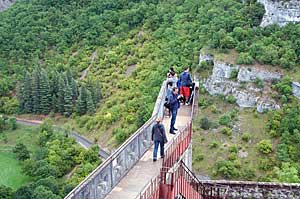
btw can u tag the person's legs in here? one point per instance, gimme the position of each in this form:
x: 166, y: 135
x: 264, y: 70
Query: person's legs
x: 162, y: 149
x: 156, y: 143
x: 186, y: 93
x: 173, y: 120
x: 182, y: 91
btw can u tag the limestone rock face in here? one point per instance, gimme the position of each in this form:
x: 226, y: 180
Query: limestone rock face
x: 246, y: 93
x: 247, y: 74
x: 280, y: 12
x: 296, y: 89
x: 4, y: 4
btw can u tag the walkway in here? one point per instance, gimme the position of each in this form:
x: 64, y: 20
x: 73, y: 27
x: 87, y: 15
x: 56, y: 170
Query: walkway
x: 141, y: 174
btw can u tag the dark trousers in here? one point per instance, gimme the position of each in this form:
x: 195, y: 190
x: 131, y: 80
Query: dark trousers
x: 173, y: 119
x: 162, y: 149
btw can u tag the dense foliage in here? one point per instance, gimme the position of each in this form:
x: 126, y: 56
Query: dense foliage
x: 147, y: 35
x: 57, y: 166
x: 41, y: 93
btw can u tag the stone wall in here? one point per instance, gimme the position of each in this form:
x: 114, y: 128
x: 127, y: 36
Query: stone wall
x: 4, y: 4
x: 280, y: 12
x: 256, y: 190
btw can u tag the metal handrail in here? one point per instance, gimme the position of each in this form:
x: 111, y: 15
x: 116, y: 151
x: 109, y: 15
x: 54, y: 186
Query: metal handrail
x: 158, y: 112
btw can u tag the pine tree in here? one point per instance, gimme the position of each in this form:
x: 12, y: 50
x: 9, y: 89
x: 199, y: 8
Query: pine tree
x: 81, y: 105
x: 74, y: 90
x: 45, y: 93
x: 97, y: 93
x: 27, y: 94
x: 68, y: 101
x: 69, y: 77
x: 36, y: 96
x: 54, y: 82
x: 89, y: 103
x: 61, y: 95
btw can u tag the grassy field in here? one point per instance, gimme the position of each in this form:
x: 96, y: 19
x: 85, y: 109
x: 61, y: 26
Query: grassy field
x: 10, y: 171
x: 10, y: 168
x: 218, y: 145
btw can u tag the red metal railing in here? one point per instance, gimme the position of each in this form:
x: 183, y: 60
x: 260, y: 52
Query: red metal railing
x: 178, y: 146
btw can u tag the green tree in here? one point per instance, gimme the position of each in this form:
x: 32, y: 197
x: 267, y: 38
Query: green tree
x: 24, y: 192
x: 45, y: 93
x: 43, y: 192
x: 81, y: 104
x: 97, y: 93
x: 36, y: 95
x: 2, y: 123
x: 5, y: 192
x: 90, y: 107
x: 68, y: 106
x: 27, y: 94
x: 287, y: 173
x: 21, y: 151
x: 61, y: 95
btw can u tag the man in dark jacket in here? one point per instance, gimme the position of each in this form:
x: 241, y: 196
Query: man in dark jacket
x: 174, y: 104
x: 159, y: 137
x: 186, y: 82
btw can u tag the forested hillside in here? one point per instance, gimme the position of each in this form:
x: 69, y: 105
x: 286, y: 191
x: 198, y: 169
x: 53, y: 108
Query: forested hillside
x: 125, y: 47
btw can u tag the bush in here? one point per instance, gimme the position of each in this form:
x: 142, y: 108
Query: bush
x: 231, y: 99
x: 245, y: 58
x: 12, y: 122
x: 248, y: 173
x: 21, y: 151
x: 213, y: 145
x: 214, y: 109
x: 227, y: 169
x: 246, y: 137
x: 259, y: 83
x: 205, y: 123
x: 265, y: 146
x: 234, y: 73
x: 226, y: 131
x: 265, y: 164
x: 202, y: 102
x: 225, y: 120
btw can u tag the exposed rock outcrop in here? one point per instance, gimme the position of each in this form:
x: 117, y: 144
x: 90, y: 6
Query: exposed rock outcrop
x: 242, y: 87
x: 296, y: 89
x: 4, y: 4
x: 280, y: 12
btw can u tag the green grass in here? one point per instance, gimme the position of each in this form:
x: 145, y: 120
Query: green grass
x: 10, y: 168
x: 217, y: 145
x: 27, y: 135
x: 10, y: 171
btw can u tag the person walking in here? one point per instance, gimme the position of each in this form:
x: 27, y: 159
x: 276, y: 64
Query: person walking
x: 185, y: 81
x: 172, y: 76
x: 159, y: 137
x: 174, y: 104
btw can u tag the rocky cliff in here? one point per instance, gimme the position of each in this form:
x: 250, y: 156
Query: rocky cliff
x: 280, y: 12
x: 243, y: 86
x: 4, y: 4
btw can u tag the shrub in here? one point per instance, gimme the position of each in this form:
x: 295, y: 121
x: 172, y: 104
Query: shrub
x: 205, y: 123
x: 233, y: 149
x: 265, y: 146
x: 225, y: 120
x: 259, y: 83
x: 248, y: 173
x: 214, y: 144
x: 246, y: 137
x: 214, y: 109
x: 12, y: 122
x: 231, y: 99
x: 234, y: 73
x: 245, y: 58
x: 21, y: 151
x: 265, y: 164
x: 227, y: 169
x: 226, y: 131
x: 202, y: 102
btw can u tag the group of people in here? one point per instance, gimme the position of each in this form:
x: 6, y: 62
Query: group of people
x: 179, y: 91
